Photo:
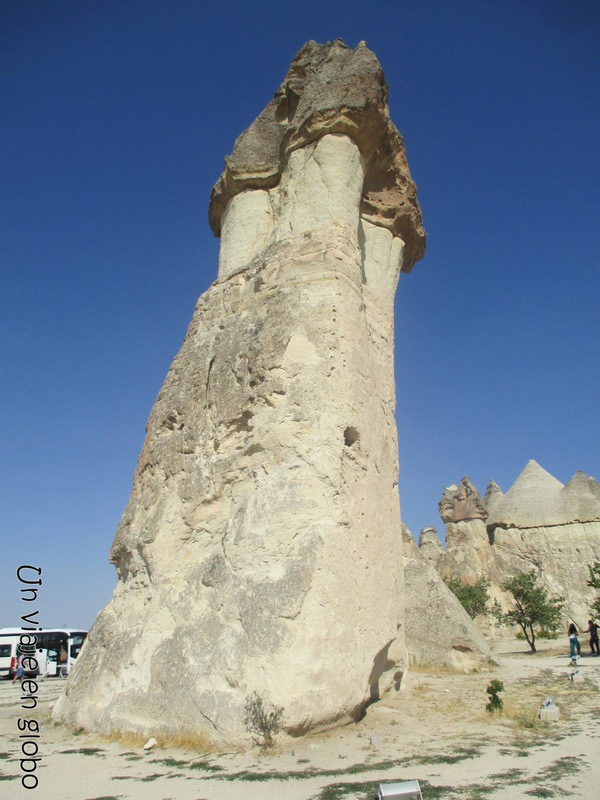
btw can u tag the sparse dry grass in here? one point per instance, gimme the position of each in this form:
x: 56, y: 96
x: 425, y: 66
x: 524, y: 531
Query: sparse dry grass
x: 455, y: 729
x: 564, y: 767
x: 196, y: 742
x: 556, y: 650
x: 524, y: 697
x: 525, y: 714
x: 85, y: 751
x: 454, y: 706
x: 566, y: 694
x: 126, y: 739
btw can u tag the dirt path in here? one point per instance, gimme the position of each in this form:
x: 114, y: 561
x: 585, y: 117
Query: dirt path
x: 435, y: 730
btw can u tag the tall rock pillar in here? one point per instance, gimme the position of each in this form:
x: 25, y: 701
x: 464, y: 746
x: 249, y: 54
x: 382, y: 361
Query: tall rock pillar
x: 261, y: 549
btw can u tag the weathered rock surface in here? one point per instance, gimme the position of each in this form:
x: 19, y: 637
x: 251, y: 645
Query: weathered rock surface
x: 537, y: 499
x: 560, y: 554
x: 468, y: 552
x: 538, y: 524
x: 439, y: 632
x: 493, y: 496
x: 261, y: 549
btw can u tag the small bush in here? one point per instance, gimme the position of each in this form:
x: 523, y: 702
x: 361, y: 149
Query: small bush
x: 495, y: 703
x: 263, y: 724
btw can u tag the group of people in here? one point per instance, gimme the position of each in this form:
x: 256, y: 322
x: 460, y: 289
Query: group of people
x: 59, y: 656
x: 573, y: 634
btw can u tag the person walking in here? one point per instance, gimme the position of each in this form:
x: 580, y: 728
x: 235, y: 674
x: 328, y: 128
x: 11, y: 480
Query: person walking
x: 593, y: 632
x: 573, y: 635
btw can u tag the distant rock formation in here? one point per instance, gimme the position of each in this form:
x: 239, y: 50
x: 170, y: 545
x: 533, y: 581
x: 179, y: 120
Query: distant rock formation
x: 538, y: 524
x: 260, y: 549
x: 538, y: 500
x: 430, y: 546
x: 467, y: 553
x: 461, y: 502
x: 439, y: 632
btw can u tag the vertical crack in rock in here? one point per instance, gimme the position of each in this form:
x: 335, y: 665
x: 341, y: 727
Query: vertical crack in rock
x: 265, y: 504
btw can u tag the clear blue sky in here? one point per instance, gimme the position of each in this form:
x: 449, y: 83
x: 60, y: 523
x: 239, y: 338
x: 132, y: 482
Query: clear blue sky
x: 116, y: 116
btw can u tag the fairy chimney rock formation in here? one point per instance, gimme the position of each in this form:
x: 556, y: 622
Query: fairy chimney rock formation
x: 493, y: 495
x: 461, y: 502
x: 260, y: 549
x: 464, y: 513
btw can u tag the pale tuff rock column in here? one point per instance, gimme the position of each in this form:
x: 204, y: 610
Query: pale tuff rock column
x: 430, y: 546
x: 260, y: 549
x: 247, y: 225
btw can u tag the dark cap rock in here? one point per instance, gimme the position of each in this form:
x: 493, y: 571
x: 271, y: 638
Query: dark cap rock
x: 330, y: 88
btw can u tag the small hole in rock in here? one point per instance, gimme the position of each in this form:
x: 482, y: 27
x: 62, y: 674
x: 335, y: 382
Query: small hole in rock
x: 351, y: 435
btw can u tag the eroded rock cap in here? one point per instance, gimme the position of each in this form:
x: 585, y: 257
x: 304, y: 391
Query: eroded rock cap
x: 461, y: 502
x: 330, y: 88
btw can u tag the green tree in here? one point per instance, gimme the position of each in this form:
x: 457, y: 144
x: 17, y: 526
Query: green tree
x: 474, y: 597
x: 594, y: 582
x: 534, y: 612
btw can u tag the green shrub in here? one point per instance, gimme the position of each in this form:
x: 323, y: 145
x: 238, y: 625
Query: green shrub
x: 495, y: 702
x: 263, y: 724
x: 473, y: 597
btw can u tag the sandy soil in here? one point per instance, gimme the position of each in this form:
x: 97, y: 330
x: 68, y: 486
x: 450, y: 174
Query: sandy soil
x: 435, y: 730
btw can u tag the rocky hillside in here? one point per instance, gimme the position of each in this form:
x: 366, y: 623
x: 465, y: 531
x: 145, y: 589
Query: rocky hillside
x: 538, y: 524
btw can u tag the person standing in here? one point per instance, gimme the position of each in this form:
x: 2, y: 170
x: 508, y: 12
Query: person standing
x: 593, y: 632
x: 574, y: 645
x: 19, y: 669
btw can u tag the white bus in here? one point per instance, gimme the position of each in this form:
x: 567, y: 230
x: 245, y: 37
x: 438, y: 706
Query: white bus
x: 55, y: 651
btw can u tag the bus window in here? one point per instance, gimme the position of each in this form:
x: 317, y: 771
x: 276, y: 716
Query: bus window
x: 76, y: 643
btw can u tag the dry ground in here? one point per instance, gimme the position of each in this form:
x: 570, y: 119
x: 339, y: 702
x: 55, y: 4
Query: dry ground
x: 435, y: 730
